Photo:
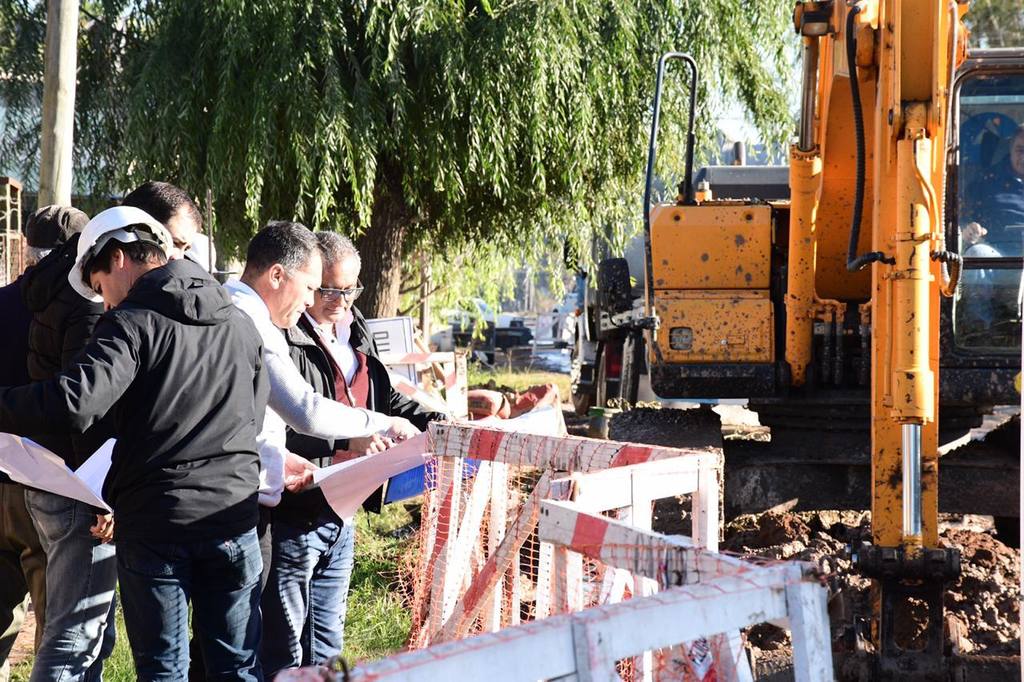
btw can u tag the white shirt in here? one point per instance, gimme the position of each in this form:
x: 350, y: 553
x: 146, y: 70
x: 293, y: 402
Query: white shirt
x: 200, y: 249
x: 338, y: 343
x: 293, y: 401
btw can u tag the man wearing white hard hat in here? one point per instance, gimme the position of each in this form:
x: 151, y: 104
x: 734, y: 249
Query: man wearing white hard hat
x: 179, y: 368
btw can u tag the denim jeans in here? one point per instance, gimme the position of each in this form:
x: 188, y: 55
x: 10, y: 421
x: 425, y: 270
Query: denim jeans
x: 221, y: 577
x: 80, y: 576
x: 196, y: 664
x: 306, y: 596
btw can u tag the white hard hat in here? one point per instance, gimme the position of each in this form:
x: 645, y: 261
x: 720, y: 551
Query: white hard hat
x: 126, y: 224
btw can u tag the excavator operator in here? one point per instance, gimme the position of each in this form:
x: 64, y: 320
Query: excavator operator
x: 995, y: 205
x: 994, y: 228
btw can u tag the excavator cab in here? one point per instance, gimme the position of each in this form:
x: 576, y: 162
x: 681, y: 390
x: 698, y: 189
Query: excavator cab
x: 988, y: 177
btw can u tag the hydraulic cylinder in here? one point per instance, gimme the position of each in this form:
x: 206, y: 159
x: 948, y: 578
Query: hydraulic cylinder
x: 805, y: 189
x: 913, y: 382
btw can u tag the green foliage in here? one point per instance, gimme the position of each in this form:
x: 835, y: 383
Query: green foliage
x: 996, y: 23
x: 505, y: 126
x: 517, y: 380
x: 378, y: 619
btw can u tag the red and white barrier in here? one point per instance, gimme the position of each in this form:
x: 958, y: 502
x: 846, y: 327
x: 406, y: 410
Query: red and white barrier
x: 606, y: 590
x: 565, y: 453
x: 587, y: 645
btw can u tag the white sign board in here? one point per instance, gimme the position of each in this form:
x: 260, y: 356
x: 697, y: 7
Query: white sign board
x: 394, y: 335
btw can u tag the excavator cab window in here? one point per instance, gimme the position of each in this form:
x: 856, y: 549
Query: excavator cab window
x: 990, y: 197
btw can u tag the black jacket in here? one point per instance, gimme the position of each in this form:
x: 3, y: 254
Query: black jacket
x: 14, y: 340
x: 62, y: 323
x: 180, y: 369
x: 316, y: 368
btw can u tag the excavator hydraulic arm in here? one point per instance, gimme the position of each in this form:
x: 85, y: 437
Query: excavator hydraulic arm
x: 885, y: 69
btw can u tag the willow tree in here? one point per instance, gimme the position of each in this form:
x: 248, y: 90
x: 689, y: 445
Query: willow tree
x: 996, y: 23
x: 405, y: 122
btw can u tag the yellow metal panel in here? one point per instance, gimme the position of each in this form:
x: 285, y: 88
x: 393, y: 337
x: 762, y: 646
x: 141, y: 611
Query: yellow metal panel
x: 711, y: 247
x: 715, y: 326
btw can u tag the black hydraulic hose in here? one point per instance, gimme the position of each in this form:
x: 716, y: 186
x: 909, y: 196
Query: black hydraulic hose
x: 954, y: 263
x: 840, y: 356
x: 853, y: 261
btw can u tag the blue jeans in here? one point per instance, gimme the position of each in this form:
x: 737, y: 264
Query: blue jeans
x: 306, y: 596
x: 222, y: 579
x: 80, y: 576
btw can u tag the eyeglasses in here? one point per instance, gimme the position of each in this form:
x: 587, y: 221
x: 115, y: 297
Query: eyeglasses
x: 332, y: 295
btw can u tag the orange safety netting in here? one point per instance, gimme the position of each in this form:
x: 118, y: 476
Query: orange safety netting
x: 480, y: 567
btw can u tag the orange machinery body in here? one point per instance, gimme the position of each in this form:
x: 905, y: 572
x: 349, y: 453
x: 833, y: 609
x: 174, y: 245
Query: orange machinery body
x: 779, y: 302
x: 742, y: 284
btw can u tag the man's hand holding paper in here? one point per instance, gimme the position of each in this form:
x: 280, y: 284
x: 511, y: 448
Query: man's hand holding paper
x: 347, y: 484
x: 401, y: 429
x: 298, y: 472
x: 359, y: 447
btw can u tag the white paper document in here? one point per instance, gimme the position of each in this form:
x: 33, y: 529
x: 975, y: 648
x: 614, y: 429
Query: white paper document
x: 29, y: 463
x: 93, y: 471
x: 347, y: 485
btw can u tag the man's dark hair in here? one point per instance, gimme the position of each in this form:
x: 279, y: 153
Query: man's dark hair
x: 142, y: 252
x: 287, y: 244
x: 162, y: 200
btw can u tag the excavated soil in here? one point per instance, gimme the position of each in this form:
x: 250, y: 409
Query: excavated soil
x: 696, y: 428
x: 984, y: 599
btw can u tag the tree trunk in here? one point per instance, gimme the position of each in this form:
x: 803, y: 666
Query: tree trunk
x: 61, y: 52
x: 381, y: 248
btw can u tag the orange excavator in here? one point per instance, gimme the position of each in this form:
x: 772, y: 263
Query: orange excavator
x: 869, y: 316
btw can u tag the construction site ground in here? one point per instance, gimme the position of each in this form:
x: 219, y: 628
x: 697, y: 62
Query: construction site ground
x: 984, y: 601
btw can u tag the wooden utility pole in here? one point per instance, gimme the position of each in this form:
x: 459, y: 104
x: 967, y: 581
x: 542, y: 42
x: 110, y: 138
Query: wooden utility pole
x: 58, y: 102
x: 425, y: 284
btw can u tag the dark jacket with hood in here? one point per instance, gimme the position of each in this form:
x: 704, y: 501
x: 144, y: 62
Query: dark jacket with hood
x: 62, y: 323
x: 14, y: 340
x: 316, y: 368
x: 180, y: 370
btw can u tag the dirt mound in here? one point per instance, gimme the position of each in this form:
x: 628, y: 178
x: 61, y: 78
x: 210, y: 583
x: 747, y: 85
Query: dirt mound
x: 695, y: 428
x: 984, y: 599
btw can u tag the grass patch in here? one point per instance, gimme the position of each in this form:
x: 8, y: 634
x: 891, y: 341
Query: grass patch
x: 378, y: 620
x: 517, y: 380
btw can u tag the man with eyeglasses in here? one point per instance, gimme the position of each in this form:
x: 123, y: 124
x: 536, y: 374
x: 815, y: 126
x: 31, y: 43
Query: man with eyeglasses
x: 304, y: 603
x: 282, y: 270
